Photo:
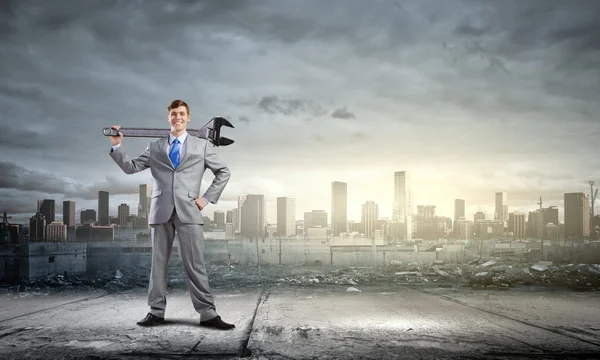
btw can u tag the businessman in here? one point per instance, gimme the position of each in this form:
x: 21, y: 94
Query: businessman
x: 177, y: 164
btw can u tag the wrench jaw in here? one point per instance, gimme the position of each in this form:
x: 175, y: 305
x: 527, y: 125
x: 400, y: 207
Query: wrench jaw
x: 213, y: 131
x: 223, y: 141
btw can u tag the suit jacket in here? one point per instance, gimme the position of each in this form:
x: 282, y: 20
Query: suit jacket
x: 177, y: 188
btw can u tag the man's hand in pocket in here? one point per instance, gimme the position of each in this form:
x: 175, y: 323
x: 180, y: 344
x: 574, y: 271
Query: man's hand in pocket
x: 201, y: 203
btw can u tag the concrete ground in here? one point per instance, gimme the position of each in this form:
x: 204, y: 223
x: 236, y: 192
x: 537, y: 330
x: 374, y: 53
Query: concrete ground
x: 309, y: 322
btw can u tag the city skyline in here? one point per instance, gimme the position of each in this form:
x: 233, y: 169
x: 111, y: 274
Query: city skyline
x: 299, y: 215
x: 472, y: 98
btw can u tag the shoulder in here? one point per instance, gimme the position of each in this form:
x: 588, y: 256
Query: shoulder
x: 196, y: 141
x: 158, y: 142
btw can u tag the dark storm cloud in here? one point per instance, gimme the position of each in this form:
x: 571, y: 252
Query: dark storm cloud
x: 272, y: 104
x: 18, y: 178
x: 245, y: 119
x: 16, y: 138
x: 342, y: 113
x: 14, y: 203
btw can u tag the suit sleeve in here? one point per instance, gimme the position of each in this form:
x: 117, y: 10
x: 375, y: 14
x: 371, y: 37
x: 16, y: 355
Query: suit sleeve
x: 128, y: 165
x: 221, y: 172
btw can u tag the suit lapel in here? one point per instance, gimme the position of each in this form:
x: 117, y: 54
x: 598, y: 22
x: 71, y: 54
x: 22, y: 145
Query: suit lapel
x: 163, y: 150
x: 191, y: 146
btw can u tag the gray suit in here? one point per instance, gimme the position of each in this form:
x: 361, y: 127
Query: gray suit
x: 173, y: 207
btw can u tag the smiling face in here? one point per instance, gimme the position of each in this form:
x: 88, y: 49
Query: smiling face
x: 178, y: 118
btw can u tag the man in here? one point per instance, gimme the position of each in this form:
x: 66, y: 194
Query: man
x: 177, y: 164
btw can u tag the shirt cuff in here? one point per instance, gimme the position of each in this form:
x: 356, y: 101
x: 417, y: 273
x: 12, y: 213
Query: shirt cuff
x: 114, y: 147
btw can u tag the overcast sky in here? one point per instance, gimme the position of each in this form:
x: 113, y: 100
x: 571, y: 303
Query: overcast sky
x: 472, y: 97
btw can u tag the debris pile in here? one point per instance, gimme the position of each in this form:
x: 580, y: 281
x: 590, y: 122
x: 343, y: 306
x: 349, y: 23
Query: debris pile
x: 476, y: 274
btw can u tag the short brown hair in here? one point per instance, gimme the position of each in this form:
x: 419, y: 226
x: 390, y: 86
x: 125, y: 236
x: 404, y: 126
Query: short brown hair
x: 177, y: 103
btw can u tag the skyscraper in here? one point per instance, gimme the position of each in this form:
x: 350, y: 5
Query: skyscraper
x: 123, y: 213
x: 219, y: 220
x: 403, y: 201
x: 87, y: 216
x: 286, y: 216
x: 103, y: 219
x: 69, y: 213
x: 577, y: 215
x: 47, y: 207
x: 235, y: 221
x: 369, y: 217
x: 459, y: 209
x: 253, y: 219
x: 501, y: 209
x: 237, y: 226
x: 517, y: 223
x: 144, y: 201
x: 37, y: 227
x: 339, y: 207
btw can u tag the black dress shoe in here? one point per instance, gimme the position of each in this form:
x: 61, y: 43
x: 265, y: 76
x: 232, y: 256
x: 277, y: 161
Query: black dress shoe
x: 216, y: 322
x: 151, y: 320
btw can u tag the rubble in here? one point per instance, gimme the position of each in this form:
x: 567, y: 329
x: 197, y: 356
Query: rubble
x: 476, y: 274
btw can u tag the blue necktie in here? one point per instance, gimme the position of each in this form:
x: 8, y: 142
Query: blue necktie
x: 174, y: 154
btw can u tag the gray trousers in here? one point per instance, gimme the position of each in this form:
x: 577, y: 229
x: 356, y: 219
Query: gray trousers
x: 191, y: 242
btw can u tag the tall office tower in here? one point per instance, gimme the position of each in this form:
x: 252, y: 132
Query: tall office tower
x: 459, y: 209
x: 577, y: 215
x: 235, y: 220
x: 103, y: 219
x: 37, y: 227
x: 241, y: 200
x: 459, y: 214
x: 254, y: 217
x: 286, y: 216
x: 501, y: 212
x: 315, y: 218
x: 219, y: 220
x: 549, y: 216
x: 229, y: 217
x: 369, y: 217
x: 534, y: 225
x: 123, y: 213
x: 69, y: 213
x: 403, y: 201
x: 144, y: 201
x: 516, y: 221
x: 46, y: 207
x: 339, y: 207
x: 87, y: 216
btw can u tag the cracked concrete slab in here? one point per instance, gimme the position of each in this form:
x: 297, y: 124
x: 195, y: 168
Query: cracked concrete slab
x: 315, y: 322
x: 562, y: 311
x: 17, y: 304
x: 106, y: 326
x: 403, y: 323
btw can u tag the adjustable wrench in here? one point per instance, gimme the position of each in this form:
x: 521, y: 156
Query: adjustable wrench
x: 211, y: 131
